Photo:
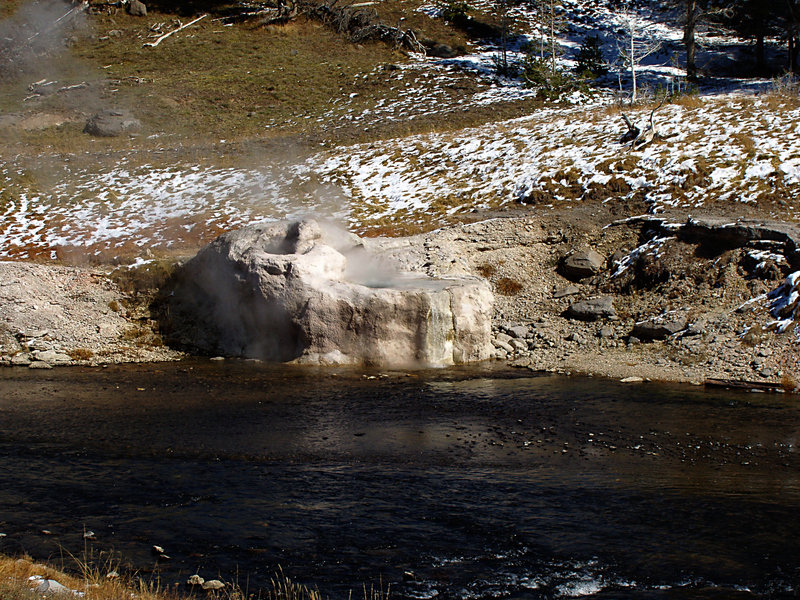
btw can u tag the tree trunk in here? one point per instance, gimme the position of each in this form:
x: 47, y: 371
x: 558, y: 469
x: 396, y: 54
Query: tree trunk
x: 791, y: 29
x: 633, y: 63
x: 688, y: 39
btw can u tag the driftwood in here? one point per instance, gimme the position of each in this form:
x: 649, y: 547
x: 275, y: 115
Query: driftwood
x: 361, y: 24
x: 166, y: 35
x: 265, y: 13
x: 736, y: 384
x: 636, y: 137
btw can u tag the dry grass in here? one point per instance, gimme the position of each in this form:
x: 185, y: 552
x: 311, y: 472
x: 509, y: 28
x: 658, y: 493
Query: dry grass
x: 81, y: 354
x: 507, y: 286
x: 103, y: 582
x: 93, y: 582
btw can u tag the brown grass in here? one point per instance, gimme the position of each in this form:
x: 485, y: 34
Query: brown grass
x: 102, y: 582
x: 507, y: 286
x: 486, y: 270
x: 81, y: 354
x: 92, y: 581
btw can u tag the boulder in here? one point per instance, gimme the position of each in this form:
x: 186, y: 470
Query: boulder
x: 300, y: 292
x: 592, y: 309
x: 442, y: 51
x: 51, y: 586
x: 136, y: 8
x: 581, y: 264
x: 661, y: 326
x: 111, y: 123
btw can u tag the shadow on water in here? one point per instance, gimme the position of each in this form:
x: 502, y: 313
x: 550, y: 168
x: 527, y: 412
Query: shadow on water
x: 446, y: 484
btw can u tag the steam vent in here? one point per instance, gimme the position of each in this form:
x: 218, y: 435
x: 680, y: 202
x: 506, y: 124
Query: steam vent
x: 306, y: 293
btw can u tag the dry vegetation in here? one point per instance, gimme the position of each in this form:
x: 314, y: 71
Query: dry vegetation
x: 19, y: 578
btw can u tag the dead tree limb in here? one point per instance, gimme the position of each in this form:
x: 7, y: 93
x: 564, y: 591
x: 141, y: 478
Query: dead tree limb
x: 639, y: 138
x: 166, y: 35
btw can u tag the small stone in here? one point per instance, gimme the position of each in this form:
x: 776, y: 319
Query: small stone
x: 606, y: 332
x: 89, y: 535
x: 632, y: 379
x: 570, y: 290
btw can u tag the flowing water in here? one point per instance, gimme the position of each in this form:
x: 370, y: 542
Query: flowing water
x: 444, y: 484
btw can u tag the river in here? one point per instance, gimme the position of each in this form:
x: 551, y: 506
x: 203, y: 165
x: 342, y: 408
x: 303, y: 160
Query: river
x: 454, y: 483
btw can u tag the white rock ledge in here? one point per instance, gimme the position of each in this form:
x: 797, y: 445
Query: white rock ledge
x: 307, y: 293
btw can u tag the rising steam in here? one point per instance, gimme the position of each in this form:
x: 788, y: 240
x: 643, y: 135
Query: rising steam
x: 39, y: 28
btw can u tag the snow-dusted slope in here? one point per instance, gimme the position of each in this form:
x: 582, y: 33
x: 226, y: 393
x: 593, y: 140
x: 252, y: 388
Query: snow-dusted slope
x: 735, y: 150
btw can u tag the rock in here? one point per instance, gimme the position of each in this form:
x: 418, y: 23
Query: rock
x: 606, y: 332
x: 213, y: 585
x: 581, y: 264
x: 504, y: 346
x: 660, y: 327
x: 21, y: 360
x: 632, y: 379
x: 195, y: 580
x: 38, y: 364
x: 518, y: 345
x: 570, y: 290
x: 51, y: 586
x: 442, y: 51
x: 52, y: 357
x: 300, y: 292
x: 136, y: 8
x: 9, y: 346
x: 576, y: 337
x: 719, y: 234
x: 517, y: 331
x: 592, y: 309
x: 111, y: 123
x: 503, y: 338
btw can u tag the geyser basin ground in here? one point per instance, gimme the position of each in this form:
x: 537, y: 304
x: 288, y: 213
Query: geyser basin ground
x: 295, y: 291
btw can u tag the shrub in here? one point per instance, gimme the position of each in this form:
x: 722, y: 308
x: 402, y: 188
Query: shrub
x: 590, y: 61
x: 455, y: 11
x: 538, y: 72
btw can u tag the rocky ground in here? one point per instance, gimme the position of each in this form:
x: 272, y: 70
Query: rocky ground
x: 575, y: 292
x: 674, y: 313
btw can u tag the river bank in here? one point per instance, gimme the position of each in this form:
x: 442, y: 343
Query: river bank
x: 576, y: 291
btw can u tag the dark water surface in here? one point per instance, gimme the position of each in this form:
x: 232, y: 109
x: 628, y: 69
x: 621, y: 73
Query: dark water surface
x: 482, y: 484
